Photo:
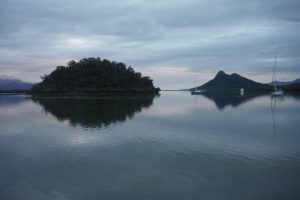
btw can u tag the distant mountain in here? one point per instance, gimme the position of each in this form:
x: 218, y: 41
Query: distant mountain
x: 225, y: 82
x: 7, y: 83
x: 287, y: 83
x: 297, y: 81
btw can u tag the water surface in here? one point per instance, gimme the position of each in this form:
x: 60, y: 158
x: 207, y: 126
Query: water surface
x: 172, y: 146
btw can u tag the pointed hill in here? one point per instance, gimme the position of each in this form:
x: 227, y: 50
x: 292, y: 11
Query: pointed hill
x: 223, y: 82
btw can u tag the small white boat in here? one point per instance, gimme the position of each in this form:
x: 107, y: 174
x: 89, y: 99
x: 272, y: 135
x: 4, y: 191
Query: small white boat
x: 196, y: 91
x: 276, y: 91
x: 242, y: 92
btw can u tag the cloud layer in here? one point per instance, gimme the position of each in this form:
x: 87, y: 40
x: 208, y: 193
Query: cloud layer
x: 168, y: 40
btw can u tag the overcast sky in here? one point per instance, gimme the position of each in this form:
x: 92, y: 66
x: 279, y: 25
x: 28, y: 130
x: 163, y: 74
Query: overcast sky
x: 168, y: 40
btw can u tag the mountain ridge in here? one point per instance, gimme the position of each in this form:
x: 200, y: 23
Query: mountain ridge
x: 10, y: 83
x: 286, y: 83
x: 226, y: 82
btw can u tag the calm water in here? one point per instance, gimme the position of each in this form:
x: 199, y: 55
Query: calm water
x: 175, y: 146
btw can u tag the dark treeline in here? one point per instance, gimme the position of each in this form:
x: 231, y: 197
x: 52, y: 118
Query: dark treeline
x: 291, y: 88
x: 94, y: 75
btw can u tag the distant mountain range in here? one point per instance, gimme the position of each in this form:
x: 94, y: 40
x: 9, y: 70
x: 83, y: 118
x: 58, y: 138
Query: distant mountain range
x: 223, y: 82
x: 288, y: 83
x: 7, y: 83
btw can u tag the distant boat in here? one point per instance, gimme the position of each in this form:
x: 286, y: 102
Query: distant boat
x: 276, y: 91
x: 242, y: 92
x: 196, y: 91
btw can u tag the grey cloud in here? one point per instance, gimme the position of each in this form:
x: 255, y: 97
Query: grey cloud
x: 197, y: 35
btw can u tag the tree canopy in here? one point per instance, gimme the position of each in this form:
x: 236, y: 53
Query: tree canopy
x: 94, y: 74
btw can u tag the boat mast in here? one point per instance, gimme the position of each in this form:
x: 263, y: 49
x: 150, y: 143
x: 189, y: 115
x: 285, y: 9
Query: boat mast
x: 195, y: 81
x: 274, y: 73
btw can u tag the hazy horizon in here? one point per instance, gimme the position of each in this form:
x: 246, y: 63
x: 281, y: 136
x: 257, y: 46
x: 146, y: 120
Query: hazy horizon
x: 168, y: 41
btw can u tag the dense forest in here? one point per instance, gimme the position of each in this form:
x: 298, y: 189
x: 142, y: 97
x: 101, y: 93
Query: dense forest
x: 94, y: 75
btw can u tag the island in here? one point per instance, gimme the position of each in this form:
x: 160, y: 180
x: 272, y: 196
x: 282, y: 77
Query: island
x: 92, y: 76
x: 224, y: 83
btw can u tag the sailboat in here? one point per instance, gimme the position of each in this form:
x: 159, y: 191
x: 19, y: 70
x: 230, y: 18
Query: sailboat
x: 195, y: 90
x: 275, y: 91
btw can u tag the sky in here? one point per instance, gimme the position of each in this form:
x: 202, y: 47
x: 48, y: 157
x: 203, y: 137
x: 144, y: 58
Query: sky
x: 173, y: 42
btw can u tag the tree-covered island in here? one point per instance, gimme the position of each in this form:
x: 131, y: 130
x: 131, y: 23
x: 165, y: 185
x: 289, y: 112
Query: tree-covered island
x: 94, y: 75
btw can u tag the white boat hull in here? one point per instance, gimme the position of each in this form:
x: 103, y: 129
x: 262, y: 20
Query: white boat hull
x: 198, y: 91
x: 277, y: 93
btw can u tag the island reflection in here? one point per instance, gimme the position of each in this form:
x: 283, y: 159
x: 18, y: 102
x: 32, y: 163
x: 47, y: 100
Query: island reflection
x: 7, y: 100
x: 223, y: 100
x: 94, y: 112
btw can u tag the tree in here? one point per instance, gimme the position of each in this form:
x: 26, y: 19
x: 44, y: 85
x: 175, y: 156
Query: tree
x: 93, y: 74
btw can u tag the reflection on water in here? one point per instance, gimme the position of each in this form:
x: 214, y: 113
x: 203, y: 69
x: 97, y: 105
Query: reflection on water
x: 274, y: 102
x: 224, y: 99
x: 11, y: 99
x: 94, y: 111
x: 177, y: 148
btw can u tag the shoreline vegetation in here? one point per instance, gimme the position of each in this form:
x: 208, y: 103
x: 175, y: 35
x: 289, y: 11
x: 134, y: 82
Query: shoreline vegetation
x: 94, y: 76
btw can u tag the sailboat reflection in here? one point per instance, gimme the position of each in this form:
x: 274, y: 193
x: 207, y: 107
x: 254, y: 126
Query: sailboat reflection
x: 274, y: 100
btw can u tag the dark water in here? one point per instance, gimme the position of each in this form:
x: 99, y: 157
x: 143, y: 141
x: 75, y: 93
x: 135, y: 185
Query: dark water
x: 175, y: 146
